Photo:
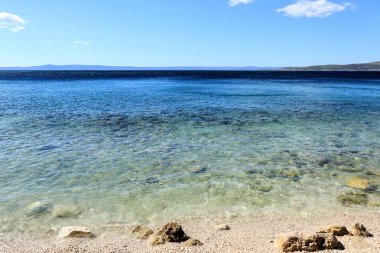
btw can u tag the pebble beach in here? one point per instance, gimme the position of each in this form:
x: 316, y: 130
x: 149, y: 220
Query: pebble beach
x: 246, y: 234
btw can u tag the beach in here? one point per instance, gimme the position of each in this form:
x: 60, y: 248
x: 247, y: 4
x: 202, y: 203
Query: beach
x: 246, y: 234
x: 229, y: 126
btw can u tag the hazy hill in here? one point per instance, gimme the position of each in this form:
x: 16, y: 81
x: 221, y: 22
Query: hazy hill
x: 100, y: 67
x: 372, y: 66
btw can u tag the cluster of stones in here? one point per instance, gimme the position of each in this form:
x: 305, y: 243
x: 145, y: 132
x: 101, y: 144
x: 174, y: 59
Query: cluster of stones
x: 172, y: 232
x: 325, y: 239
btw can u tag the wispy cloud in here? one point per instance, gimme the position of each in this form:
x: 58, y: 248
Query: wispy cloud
x: 81, y: 42
x: 237, y: 2
x: 313, y: 8
x: 12, y: 22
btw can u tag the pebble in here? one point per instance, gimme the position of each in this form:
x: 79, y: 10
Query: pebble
x: 75, y: 231
x: 222, y: 227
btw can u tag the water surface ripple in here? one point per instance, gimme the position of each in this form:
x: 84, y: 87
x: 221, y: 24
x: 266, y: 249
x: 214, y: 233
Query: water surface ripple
x: 144, y: 150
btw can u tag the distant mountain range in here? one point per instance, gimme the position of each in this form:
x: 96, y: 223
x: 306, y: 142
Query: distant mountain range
x: 101, y: 67
x: 372, y: 66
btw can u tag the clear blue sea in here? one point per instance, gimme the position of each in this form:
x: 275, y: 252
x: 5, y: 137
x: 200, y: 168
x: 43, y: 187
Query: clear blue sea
x: 142, y: 149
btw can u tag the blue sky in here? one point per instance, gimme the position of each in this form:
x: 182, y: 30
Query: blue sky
x: 189, y: 32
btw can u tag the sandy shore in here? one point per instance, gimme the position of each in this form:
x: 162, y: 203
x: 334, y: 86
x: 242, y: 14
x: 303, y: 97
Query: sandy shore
x: 247, y: 234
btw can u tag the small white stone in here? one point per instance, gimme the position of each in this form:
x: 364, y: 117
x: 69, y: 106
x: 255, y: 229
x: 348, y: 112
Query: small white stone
x: 75, y: 231
x: 222, y: 227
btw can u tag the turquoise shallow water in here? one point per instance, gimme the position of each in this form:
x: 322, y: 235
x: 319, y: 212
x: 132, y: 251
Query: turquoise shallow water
x: 94, y: 152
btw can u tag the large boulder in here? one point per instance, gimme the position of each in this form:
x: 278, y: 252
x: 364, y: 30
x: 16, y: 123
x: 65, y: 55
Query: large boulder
x: 75, y: 231
x: 171, y: 232
x: 142, y: 232
x: 309, y: 243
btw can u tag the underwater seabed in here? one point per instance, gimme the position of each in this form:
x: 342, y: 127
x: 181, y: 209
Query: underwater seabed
x: 68, y: 160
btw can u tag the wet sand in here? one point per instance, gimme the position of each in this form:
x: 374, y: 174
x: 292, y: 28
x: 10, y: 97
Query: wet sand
x: 247, y: 234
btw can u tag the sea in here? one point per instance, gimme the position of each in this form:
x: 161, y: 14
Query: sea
x: 140, y: 147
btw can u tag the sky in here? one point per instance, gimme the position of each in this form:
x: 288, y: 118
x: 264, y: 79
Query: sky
x: 164, y: 33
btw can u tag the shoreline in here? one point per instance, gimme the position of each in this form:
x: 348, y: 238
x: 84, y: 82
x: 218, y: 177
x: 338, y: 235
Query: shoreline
x: 248, y: 233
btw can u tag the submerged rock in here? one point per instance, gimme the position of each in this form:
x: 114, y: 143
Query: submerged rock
x: 142, y: 232
x: 374, y: 172
x: 325, y: 161
x: 222, y: 227
x: 360, y: 231
x: 261, y: 188
x: 310, y: 243
x: 37, y: 209
x: 374, y: 204
x: 360, y: 183
x: 47, y: 148
x: 151, y: 180
x: 66, y: 211
x: 291, y: 174
x: 335, y: 230
x: 353, y: 198
x: 340, y: 163
x: 171, y: 232
x: 199, y: 170
x: 75, y: 231
x: 350, y: 169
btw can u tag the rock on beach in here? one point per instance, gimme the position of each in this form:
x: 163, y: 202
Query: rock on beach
x: 142, y: 232
x: 172, y: 232
x: 75, y: 231
x: 193, y: 242
x: 221, y: 227
x: 335, y: 230
x: 360, y: 230
x: 309, y: 243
